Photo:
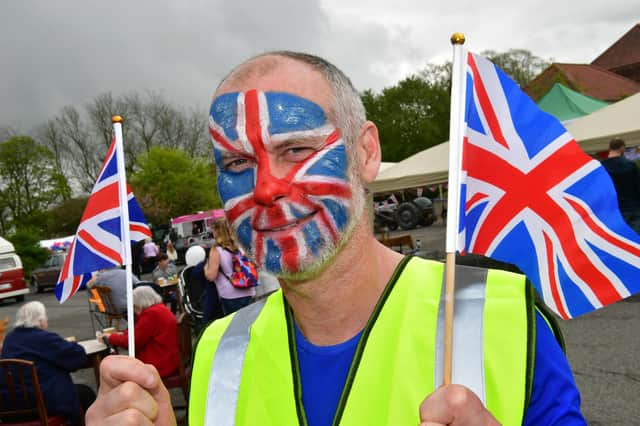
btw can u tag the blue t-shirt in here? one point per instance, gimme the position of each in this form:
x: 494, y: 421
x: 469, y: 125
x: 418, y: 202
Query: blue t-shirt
x: 324, y: 369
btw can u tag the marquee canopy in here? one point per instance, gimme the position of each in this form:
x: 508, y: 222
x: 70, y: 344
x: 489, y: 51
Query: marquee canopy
x: 427, y: 167
x: 621, y: 119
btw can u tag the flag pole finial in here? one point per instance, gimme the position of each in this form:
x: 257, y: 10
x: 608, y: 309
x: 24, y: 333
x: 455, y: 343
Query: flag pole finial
x: 116, y: 119
x: 457, y: 38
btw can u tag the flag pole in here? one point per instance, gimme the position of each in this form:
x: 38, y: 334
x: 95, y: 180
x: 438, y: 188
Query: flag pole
x: 124, y: 224
x: 453, y: 199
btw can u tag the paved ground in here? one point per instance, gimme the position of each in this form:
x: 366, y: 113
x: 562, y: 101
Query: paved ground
x: 603, y: 347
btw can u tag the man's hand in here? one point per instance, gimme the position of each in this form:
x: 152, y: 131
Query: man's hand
x: 454, y: 405
x: 130, y: 393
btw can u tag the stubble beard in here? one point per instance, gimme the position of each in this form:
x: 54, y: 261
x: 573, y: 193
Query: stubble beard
x: 313, y: 265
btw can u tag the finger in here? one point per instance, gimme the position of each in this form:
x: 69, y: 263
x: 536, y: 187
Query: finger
x: 165, y: 415
x: 129, y: 417
x: 117, y: 369
x: 130, y: 396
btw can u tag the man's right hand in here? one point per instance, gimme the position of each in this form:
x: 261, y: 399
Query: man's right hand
x: 130, y: 393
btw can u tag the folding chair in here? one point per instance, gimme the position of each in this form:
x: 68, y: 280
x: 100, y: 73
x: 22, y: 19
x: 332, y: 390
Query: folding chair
x: 4, y: 324
x: 110, y: 314
x: 96, y: 309
x: 21, y: 401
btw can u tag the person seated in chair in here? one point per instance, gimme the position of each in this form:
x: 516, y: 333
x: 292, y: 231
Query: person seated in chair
x: 156, y: 332
x: 116, y: 279
x: 55, y: 358
x: 165, y: 270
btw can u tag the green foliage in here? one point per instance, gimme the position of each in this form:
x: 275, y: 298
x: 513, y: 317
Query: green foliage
x: 169, y: 183
x: 29, y: 182
x: 63, y: 219
x: 411, y: 116
x: 26, y: 242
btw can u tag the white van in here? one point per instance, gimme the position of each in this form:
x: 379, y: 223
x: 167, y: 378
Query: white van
x: 12, y: 282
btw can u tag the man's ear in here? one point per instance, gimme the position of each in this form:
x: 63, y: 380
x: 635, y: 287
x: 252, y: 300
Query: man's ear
x: 368, y: 151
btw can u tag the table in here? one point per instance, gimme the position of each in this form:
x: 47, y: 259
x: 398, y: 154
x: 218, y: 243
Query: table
x: 95, y: 351
x: 169, y: 288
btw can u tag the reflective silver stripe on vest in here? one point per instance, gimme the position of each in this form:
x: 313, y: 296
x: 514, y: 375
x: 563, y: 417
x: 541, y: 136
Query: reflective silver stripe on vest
x: 468, y: 343
x: 224, y: 381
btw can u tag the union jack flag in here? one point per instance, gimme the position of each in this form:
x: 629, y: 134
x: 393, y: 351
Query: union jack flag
x: 530, y: 196
x: 265, y: 210
x: 98, y: 241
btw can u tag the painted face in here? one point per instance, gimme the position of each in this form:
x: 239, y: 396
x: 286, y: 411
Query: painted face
x: 282, y: 177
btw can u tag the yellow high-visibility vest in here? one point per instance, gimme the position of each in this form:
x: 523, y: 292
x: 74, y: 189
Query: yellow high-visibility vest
x: 245, y: 368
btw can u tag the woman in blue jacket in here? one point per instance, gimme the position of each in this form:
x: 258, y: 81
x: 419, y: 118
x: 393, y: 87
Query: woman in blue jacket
x: 55, y: 358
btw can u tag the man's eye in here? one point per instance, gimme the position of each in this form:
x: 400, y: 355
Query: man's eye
x: 299, y: 153
x: 237, y: 164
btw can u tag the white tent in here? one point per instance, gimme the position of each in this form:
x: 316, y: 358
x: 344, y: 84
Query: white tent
x: 427, y: 167
x: 385, y: 165
x: 621, y: 119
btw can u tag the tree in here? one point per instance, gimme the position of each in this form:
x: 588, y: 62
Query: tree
x: 520, y: 64
x: 80, y: 137
x: 29, y: 181
x: 26, y: 242
x: 169, y: 183
x: 411, y: 116
x: 64, y: 219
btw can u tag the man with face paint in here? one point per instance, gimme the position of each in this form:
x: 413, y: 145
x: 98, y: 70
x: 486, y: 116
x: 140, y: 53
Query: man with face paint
x: 354, y: 337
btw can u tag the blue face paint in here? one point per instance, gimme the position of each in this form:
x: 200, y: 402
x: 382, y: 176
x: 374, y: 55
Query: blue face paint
x: 286, y: 222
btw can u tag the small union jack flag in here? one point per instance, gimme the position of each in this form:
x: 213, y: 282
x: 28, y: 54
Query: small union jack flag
x: 98, y: 241
x: 530, y: 196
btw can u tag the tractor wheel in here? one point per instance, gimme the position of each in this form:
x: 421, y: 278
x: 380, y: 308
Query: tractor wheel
x: 407, y: 216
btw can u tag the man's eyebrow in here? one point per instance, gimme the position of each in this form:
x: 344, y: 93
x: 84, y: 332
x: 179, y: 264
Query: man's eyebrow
x: 286, y: 141
x: 225, y: 154
x: 304, y: 135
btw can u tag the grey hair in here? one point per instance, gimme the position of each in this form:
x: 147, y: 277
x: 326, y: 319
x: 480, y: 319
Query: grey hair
x: 145, y: 296
x: 346, y: 109
x: 30, y: 315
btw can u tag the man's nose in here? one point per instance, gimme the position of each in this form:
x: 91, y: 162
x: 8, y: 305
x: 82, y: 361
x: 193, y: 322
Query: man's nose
x: 270, y: 188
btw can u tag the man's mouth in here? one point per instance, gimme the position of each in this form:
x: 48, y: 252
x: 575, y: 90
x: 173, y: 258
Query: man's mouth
x: 288, y: 225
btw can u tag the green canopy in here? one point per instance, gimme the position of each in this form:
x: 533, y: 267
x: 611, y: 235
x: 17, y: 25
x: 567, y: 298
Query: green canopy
x: 566, y: 104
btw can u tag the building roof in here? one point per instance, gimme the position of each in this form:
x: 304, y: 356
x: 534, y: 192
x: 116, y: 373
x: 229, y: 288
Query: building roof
x: 622, y: 53
x: 590, y: 80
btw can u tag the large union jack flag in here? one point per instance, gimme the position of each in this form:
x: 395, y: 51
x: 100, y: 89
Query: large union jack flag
x: 282, y: 221
x: 531, y: 197
x: 98, y: 241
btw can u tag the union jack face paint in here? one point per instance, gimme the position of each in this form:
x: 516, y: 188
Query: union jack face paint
x: 283, y: 177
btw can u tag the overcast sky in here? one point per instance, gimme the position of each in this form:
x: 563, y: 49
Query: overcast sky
x: 57, y: 53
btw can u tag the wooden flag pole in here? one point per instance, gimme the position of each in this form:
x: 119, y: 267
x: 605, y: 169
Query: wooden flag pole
x: 453, y: 198
x: 124, y: 230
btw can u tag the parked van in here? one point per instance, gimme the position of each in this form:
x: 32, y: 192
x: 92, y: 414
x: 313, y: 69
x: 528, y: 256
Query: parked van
x: 12, y: 282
